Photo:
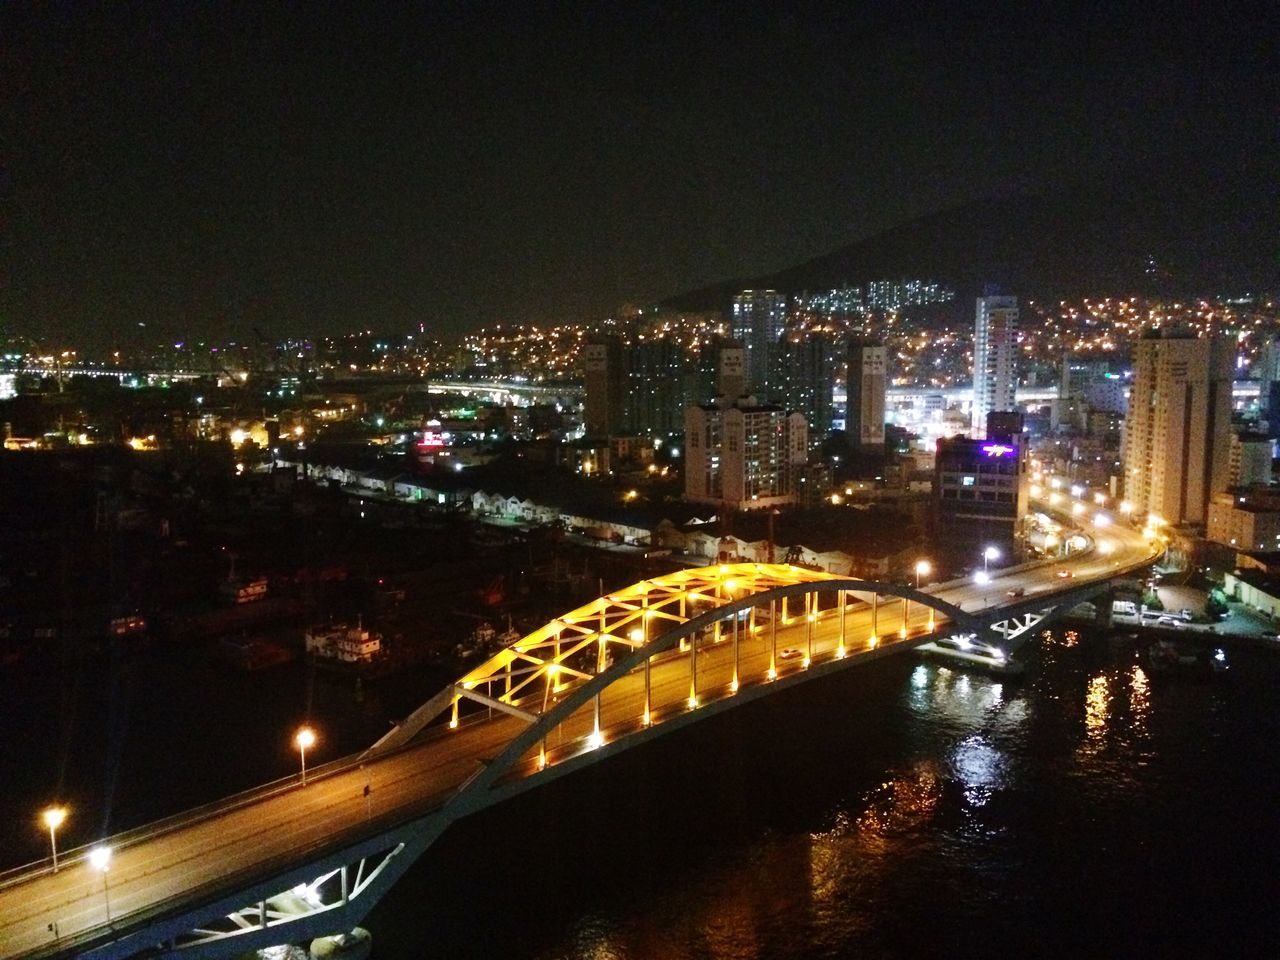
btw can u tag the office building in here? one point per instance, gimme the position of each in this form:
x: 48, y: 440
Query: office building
x: 744, y: 456
x: 867, y: 385
x: 1177, y: 443
x: 981, y: 487
x: 757, y: 323
x: 994, y: 342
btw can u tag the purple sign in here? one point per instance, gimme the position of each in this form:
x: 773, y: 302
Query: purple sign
x: 997, y: 449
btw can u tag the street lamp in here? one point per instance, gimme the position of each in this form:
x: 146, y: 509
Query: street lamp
x: 989, y: 554
x: 306, y: 737
x: 100, y: 859
x: 982, y: 578
x: 53, y: 818
x: 923, y: 569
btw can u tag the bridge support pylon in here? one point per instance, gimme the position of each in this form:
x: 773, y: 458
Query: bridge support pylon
x: 1102, y: 608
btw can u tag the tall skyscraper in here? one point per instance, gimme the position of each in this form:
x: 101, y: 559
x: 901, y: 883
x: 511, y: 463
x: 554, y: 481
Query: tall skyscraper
x: 603, y: 387
x: 993, y: 346
x: 1177, y: 440
x: 867, y: 383
x: 758, y: 319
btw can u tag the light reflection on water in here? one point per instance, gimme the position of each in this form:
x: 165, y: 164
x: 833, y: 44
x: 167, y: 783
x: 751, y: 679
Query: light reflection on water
x: 965, y: 791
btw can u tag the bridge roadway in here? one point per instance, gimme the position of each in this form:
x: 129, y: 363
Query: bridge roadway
x: 223, y: 850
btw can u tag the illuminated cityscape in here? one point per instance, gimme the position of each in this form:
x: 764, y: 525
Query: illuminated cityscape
x: 790, y: 483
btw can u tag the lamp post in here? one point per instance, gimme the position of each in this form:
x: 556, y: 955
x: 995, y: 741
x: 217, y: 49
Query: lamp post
x: 306, y: 737
x: 989, y: 554
x: 53, y: 818
x: 100, y: 859
x: 922, y: 569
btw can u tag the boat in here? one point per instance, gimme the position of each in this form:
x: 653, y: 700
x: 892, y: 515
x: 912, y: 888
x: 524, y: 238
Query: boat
x: 1182, y: 657
x: 967, y: 650
x: 342, y: 643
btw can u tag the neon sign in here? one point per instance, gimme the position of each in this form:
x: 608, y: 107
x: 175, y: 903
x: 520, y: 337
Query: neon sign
x: 997, y: 449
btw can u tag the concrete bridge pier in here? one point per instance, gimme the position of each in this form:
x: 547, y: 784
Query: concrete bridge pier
x: 1102, y: 608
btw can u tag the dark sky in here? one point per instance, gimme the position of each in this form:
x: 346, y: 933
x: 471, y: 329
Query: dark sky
x: 318, y: 168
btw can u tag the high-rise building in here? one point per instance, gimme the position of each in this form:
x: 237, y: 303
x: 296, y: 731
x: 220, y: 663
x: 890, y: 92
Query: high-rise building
x: 867, y: 383
x: 758, y: 319
x: 745, y: 457
x: 1267, y: 372
x: 994, y: 379
x: 603, y: 387
x: 656, y: 391
x: 1250, y: 460
x: 731, y: 372
x: 809, y: 362
x: 1177, y: 442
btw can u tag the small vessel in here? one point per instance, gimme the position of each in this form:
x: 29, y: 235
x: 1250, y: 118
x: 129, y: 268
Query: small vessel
x: 343, y: 643
x: 1174, y: 656
x: 966, y: 650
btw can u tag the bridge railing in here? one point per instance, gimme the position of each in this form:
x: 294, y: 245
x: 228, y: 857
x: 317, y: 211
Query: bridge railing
x: 18, y: 874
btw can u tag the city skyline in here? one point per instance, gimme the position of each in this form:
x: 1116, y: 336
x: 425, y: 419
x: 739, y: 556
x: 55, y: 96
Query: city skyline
x: 210, y: 174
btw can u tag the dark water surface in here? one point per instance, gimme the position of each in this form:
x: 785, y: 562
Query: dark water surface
x: 900, y: 810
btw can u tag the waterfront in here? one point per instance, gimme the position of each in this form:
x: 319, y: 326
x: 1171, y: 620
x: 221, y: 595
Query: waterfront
x: 1087, y: 809
x: 898, y: 810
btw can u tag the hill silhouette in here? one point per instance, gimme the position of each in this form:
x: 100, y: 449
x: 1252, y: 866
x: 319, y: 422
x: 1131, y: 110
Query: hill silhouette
x: 1209, y: 227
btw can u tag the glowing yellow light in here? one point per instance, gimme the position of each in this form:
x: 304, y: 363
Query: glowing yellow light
x: 693, y: 703
x: 646, y: 719
x: 1035, y: 490
x: 305, y: 738
x: 813, y: 617
x: 902, y: 632
x: 596, y: 740
x: 54, y: 817
x: 805, y: 663
x: 1077, y: 508
x: 733, y: 685
x: 542, y: 758
x: 731, y: 585
x: 637, y: 635
x: 771, y: 673
x: 840, y: 652
x: 873, y: 641
x: 238, y: 437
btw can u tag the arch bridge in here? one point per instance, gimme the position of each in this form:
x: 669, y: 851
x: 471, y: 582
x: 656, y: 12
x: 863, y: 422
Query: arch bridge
x: 311, y: 859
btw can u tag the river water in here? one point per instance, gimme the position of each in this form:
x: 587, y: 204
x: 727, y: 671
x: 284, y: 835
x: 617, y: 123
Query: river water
x: 903, y: 809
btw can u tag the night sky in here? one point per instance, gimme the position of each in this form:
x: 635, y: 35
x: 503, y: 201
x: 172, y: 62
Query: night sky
x: 207, y: 168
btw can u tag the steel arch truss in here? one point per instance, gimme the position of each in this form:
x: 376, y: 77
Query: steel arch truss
x: 332, y: 890
x: 666, y: 623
